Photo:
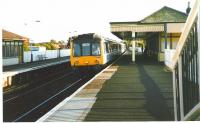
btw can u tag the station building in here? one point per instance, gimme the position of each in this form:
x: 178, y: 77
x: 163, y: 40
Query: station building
x: 12, y: 47
x: 159, y: 31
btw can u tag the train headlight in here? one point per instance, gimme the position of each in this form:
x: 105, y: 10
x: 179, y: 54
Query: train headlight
x: 76, y: 63
x: 97, y: 61
x: 86, y: 62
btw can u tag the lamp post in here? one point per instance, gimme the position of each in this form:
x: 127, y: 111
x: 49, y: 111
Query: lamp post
x: 31, y: 41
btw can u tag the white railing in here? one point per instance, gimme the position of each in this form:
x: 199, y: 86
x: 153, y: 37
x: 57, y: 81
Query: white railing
x: 186, y: 68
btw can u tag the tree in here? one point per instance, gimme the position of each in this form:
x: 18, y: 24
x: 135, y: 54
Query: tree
x: 36, y: 44
x: 48, y: 46
x: 26, y: 47
x: 61, y: 42
x: 52, y: 45
x: 53, y: 41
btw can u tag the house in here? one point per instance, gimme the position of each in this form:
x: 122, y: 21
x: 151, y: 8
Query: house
x: 13, y: 47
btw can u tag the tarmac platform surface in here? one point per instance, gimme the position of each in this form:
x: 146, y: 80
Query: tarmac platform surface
x: 125, y: 91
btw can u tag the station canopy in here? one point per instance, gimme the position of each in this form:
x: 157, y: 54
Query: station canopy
x: 155, y: 22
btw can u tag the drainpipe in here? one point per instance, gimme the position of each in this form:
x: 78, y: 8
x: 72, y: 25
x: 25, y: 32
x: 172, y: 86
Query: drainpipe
x: 133, y: 51
x: 133, y: 46
x: 165, y: 31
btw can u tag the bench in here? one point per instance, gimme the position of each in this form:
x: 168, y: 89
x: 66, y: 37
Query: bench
x: 41, y: 57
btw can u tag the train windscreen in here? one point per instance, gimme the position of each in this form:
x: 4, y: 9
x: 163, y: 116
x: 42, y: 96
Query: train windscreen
x: 77, y: 49
x: 95, y: 49
x: 87, y: 49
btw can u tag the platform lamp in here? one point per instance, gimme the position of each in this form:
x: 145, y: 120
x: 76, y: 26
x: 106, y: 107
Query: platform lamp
x: 31, y: 41
x: 31, y: 49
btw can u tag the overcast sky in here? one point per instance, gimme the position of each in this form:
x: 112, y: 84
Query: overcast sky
x: 57, y: 18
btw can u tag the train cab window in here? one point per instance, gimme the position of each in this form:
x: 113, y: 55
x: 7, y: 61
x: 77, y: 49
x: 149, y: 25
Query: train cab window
x: 77, y: 50
x: 95, y: 49
x: 85, y: 49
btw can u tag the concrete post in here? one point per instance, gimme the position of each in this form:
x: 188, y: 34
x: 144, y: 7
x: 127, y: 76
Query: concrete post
x: 9, y: 81
x: 133, y: 51
x: 174, y: 95
x: 181, y: 87
x: 198, y: 38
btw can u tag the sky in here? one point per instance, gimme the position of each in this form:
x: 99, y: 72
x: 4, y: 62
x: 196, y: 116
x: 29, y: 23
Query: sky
x: 42, y: 20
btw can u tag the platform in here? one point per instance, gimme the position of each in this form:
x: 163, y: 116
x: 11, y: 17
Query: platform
x: 125, y: 91
x: 9, y: 71
x: 20, y: 68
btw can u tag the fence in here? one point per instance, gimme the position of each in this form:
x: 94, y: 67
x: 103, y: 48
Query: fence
x: 48, y: 54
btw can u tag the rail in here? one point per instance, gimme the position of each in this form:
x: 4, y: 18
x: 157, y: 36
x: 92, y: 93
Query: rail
x: 186, y: 68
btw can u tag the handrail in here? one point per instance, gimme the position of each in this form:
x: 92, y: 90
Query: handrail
x: 183, y: 38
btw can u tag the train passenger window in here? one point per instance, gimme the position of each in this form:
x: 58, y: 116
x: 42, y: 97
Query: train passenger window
x: 85, y: 49
x: 77, y: 50
x: 95, y: 49
x: 106, y: 48
x: 110, y: 48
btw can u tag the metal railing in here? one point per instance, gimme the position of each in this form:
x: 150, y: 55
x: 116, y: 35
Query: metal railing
x: 185, y: 67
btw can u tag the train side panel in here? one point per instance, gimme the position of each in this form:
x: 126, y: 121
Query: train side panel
x: 111, y: 53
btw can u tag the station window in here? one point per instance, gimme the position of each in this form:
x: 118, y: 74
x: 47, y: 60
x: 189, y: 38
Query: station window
x: 16, y: 49
x: 7, y: 49
x: 20, y: 43
x: 4, y: 48
x: 12, y: 49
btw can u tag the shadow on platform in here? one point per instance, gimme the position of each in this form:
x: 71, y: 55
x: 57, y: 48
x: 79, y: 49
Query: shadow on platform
x: 140, y: 91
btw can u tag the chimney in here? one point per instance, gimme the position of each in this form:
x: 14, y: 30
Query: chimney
x: 188, y: 8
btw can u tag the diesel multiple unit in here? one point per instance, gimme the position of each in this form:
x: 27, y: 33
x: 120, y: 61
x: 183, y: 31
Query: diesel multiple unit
x: 92, y: 49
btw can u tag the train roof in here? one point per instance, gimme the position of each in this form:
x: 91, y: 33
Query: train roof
x: 109, y: 37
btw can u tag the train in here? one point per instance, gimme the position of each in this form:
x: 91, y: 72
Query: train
x: 92, y: 49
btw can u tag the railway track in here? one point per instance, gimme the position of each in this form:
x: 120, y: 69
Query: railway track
x: 29, y: 104
x: 34, y: 78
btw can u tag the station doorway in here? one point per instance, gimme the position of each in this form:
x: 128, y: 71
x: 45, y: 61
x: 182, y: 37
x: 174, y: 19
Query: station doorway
x: 145, y: 47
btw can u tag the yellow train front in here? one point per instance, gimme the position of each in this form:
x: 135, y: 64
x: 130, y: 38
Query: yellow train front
x: 92, y: 49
